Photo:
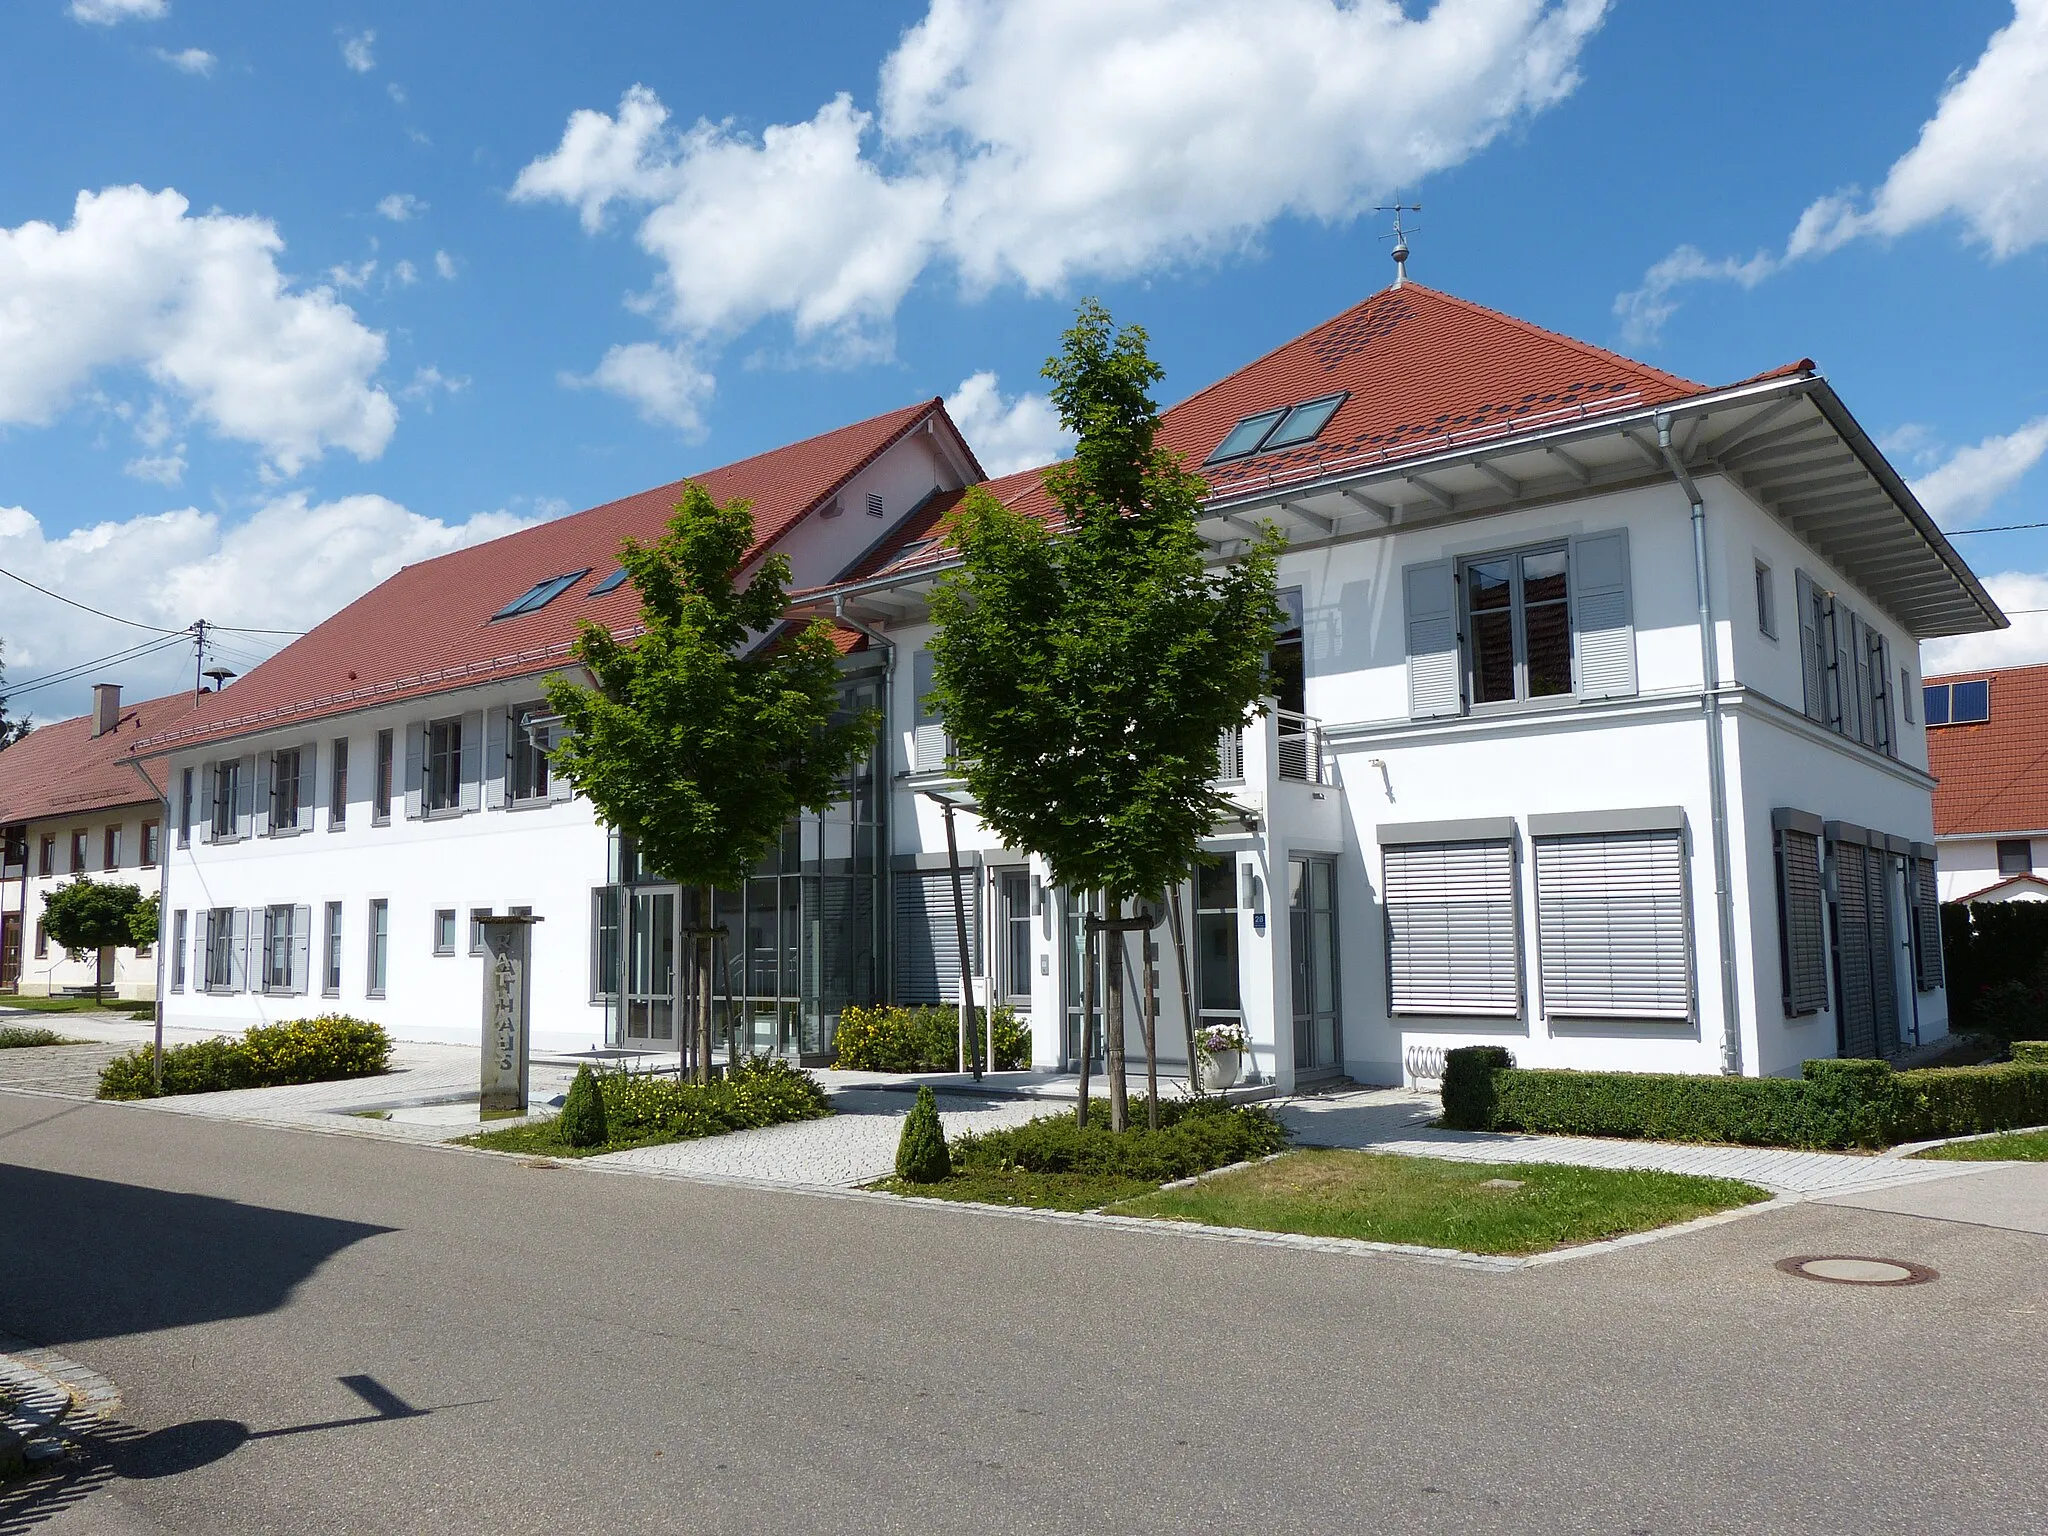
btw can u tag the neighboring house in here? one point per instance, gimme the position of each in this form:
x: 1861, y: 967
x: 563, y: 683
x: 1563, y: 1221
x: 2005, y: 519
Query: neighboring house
x: 1987, y: 742
x: 343, y: 813
x: 1494, y: 800
x: 72, y: 803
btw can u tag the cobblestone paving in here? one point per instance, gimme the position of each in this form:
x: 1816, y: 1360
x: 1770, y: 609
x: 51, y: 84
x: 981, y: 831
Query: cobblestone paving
x: 72, y: 1070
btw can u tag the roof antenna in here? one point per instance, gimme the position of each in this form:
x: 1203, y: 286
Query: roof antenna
x: 1400, y: 237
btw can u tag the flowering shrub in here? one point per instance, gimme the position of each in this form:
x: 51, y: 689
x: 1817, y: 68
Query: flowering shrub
x: 886, y: 1038
x: 1219, y: 1037
x: 319, y: 1050
x: 758, y: 1091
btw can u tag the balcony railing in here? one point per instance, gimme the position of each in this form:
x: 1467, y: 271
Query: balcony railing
x: 1301, y: 747
x: 1230, y: 756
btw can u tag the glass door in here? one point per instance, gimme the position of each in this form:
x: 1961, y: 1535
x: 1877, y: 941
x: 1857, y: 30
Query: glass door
x: 1312, y: 941
x: 1079, y: 994
x: 650, y: 1011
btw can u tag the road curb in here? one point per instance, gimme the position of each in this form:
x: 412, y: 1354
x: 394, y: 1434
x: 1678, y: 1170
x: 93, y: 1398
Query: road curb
x: 44, y: 1394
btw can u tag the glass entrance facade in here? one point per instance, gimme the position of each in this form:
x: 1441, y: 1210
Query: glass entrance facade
x: 1312, y: 942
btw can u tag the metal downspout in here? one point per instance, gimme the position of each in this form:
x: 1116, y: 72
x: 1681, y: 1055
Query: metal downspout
x: 1717, y: 772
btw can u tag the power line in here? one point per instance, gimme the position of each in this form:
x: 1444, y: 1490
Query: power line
x: 244, y: 629
x: 68, y: 674
x: 86, y: 608
x: 1958, y: 533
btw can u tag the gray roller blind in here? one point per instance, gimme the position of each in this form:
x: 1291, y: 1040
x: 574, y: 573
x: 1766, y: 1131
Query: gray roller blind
x: 1603, y: 618
x: 1430, y: 599
x: 1926, y: 927
x: 928, y: 745
x: 1453, y: 931
x: 1802, y: 934
x: 927, y: 960
x: 1611, y: 926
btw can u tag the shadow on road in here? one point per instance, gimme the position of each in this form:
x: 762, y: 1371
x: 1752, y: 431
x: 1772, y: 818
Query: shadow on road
x: 91, y: 1259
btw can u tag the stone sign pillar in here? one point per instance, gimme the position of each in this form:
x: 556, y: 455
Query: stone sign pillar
x: 508, y: 948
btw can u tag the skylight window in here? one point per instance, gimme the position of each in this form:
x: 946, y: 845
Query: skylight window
x: 540, y: 594
x: 610, y: 583
x: 910, y: 552
x: 1278, y: 429
x: 1957, y: 703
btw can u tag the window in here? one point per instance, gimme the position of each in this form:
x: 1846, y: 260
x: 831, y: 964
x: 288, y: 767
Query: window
x: 42, y: 941
x: 46, y: 855
x: 330, y: 951
x: 1906, y: 694
x: 1957, y: 703
x: 110, y: 848
x: 284, y: 790
x: 607, y: 941
x: 2015, y: 856
x: 1015, y: 938
x: 380, y: 801
x: 610, y: 583
x: 540, y: 594
x: 185, y: 808
x: 444, y: 931
x: 1290, y: 678
x: 178, y: 950
x: 875, y: 508
x: 1283, y: 428
x: 1766, y: 608
x: 444, y: 765
x: 1219, y: 999
x: 227, y: 783
x: 1518, y: 626
x: 380, y: 948
x: 476, y: 928
x: 223, y: 950
x: 152, y: 844
x: 1613, y: 940
x: 930, y: 742
x: 337, y: 786
x: 282, y: 942
x: 1846, y: 668
x: 529, y: 761
x: 1453, y: 919
x: 78, y: 841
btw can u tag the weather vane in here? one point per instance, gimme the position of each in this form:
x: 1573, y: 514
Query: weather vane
x: 1399, y: 237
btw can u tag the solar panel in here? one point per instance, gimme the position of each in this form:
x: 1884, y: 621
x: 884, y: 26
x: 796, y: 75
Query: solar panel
x: 1934, y: 703
x: 1970, y: 702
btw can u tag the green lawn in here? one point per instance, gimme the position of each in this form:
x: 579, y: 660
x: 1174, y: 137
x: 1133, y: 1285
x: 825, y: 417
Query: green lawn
x: 15, y: 1037
x: 1441, y: 1204
x: 543, y: 1138
x: 2016, y: 1146
x: 1018, y: 1186
x: 78, y: 1005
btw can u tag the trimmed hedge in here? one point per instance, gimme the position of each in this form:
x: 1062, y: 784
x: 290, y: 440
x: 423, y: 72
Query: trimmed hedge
x: 886, y: 1038
x: 1194, y: 1136
x: 756, y: 1091
x: 2032, y: 1052
x: 1833, y: 1104
x: 318, y: 1050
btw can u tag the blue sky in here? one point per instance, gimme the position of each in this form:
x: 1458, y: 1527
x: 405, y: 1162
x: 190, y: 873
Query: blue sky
x: 353, y: 285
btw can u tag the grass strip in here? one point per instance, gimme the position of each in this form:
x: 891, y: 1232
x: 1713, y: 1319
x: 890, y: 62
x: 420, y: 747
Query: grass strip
x: 1071, y: 1191
x: 40, y: 1004
x: 2014, y: 1146
x: 1436, y: 1203
x: 543, y: 1138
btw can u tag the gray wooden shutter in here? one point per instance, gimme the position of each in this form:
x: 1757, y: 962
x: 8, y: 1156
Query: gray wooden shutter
x: 1611, y: 926
x: 245, y: 798
x: 1603, y: 617
x: 1857, y: 1006
x: 1853, y: 668
x: 1802, y: 930
x: 209, y: 785
x: 415, y: 769
x: 559, y: 786
x: 928, y: 752
x: 1926, y: 926
x: 500, y: 730
x: 1453, y: 928
x: 1813, y: 689
x: 1886, y: 720
x: 259, y: 799
x: 471, y: 764
x: 1833, y: 696
x: 239, y: 940
x: 302, y: 950
x: 309, y: 784
x: 1430, y: 602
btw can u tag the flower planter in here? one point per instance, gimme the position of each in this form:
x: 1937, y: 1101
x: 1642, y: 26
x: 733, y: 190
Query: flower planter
x: 1219, y: 1070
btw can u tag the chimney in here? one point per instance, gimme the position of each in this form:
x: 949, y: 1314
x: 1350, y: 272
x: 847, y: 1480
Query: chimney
x: 106, y: 708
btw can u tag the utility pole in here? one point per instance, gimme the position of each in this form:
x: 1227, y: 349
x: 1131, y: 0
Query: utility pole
x: 198, y: 657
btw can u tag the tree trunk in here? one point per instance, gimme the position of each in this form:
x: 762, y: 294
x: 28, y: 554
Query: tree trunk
x: 1151, y: 1032
x: 1113, y: 1025
x: 1088, y: 935
x: 1187, y: 993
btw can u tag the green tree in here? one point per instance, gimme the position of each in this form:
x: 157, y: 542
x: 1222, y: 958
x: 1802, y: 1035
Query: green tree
x: 87, y: 916
x: 1087, y: 673
x: 583, y: 1116
x: 11, y: 730
x: 705, y: 735
x: 143, y: 923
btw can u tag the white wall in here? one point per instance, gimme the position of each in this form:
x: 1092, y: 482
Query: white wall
x: 134, y: 974
x: 1970, y: 864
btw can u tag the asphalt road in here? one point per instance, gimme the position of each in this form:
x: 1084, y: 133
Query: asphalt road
x: 318, y: 1334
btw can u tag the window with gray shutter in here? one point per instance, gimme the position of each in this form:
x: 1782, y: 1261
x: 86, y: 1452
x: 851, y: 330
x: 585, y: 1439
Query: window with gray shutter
x: 239, y: 941
x: 1802, y: 930
x: 1926, y: 923
x: 309, y: 765
x: 470, y: 761
x: 1603, y: 618
x: 1453, y: 928
x: 301, y: 950
x: 1430, y: 604
x: 1813, y: 690
x: 929, y: 745
x: 415, y: 770
x: 927, y: 959
x: 1612, y: 930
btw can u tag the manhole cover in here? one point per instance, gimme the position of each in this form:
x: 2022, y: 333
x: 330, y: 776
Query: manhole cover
x: 1853, y: 1269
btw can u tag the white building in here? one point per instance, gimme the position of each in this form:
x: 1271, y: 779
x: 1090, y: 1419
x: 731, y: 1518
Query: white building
x: 71, y: 804
x: 1985, y: 732
x: 1594, y: 738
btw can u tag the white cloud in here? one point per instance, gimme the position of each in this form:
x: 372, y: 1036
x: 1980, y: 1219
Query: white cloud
x: 444, y: 264
x: 428, y: 381
x: 1982, y: 157
x: 200, y: 305
x: 106, y: 13
x: 356, y: 52
x: 396, y: 92
x: 662, y: 383
x: 405, y: 274
x: 1035, y: 142
x: 158, y: 468
x: 1020, y: 432
x: 400, y: 206
x: 287, y: 566
x: 357, y: 276
x: 2025, y: 644
x: 1963, y: 487
x: 191, y: 61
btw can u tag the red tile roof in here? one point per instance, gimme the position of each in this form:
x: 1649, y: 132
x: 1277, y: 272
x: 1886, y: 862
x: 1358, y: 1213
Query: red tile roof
x: 1994, y: 775
x: 428, y: 629
x: 60, y: 769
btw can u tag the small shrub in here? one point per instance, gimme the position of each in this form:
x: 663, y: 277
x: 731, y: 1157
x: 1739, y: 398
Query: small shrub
x: 758, y: 1091
x: 1194, y: 1136
x: 583, y: 1112
x: 921, y: 1156
x: 888, y: 1038
x: 23, y: 1036
x: 319, y: 1050
x: 1468, y: 1085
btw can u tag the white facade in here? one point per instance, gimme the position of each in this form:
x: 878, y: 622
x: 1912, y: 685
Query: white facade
x: 2012, y: 867
x: 114, y: 843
